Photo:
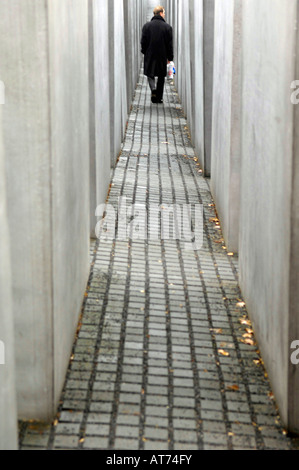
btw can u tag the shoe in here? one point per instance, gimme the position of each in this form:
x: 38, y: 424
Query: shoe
x: 159, y: 101
x: 154, y: 96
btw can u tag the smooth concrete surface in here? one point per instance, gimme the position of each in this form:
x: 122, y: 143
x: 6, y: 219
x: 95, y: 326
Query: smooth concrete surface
x: 184, y: 58
x: 118, y: 77
x: 99, y: 106
x: 208, y: 78
x: 57, y: 60
x: 226, y: 118
x: 197, y: 126
x: 193, y: 28
x: 26, y: 127
x: 293, y: 414
x: 186, y: 19
x: 44, y: 59
x: 132, y: 43
x: 69, y: 95
x: 268, y: 224
x: 126, y: 18
x: 8, y: 405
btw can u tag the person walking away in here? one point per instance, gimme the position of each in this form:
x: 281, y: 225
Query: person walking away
x: 157, y: 47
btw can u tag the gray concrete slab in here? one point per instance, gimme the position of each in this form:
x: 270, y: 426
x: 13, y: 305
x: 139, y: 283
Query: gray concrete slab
x: 8, y: 403
x: 99, y: 106
x: 226, y: 118
x: 268, y: 237
x: 44, y: 55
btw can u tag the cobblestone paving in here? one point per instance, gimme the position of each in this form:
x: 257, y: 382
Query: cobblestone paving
x: 164, y: 358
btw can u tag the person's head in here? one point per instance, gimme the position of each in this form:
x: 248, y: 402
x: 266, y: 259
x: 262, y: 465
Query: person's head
x: 159, y: 11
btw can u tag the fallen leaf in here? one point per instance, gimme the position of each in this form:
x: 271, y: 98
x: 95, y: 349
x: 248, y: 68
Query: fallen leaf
x: 248, y: 341
x: 235, y: 388
x: 241, y: 304
x: 243, y: 321
x: 223, y: 353
x: 217, y: 331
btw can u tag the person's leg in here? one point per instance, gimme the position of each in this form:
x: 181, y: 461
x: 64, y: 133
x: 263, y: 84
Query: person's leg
x: 152, y: 84
x: 160, y: 88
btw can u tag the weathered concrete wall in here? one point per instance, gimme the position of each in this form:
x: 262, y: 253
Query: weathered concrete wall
x: 226, y: 118
x: 68, y: 52
x: 269, y: 204
x: 44, y: 59
x: 118, y: 77
x: 184, y: 59
x: 126, y: 18
x: 134, y: 17
x: 250, y: 147
x: 186, y: 19
x: 208, y: 78
x: 293, y: 413
x: 99, y: 106
x: 64, y: 71
x: 26, y: 125
x: 193, y: 27
x: 8, y: 409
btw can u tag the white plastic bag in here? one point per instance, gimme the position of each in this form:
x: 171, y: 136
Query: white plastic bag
x: 170, y: 70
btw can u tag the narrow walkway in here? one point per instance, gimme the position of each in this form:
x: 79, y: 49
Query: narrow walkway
x: 165, y: 358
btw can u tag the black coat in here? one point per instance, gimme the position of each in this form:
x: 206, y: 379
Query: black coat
x: 157, y: 47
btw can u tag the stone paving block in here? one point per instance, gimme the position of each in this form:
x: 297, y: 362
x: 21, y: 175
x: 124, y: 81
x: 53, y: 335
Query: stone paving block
x: 97, y: 430
x: 95, y: 443
x: 185, y: 436
x: 98, y: 418
x: 156, y: 433
x: 126, y: 444
x: 38, y: 440
x: 67, y: 428
x: 66, y: 442
x: 127, y: 431
x: 215, y: 438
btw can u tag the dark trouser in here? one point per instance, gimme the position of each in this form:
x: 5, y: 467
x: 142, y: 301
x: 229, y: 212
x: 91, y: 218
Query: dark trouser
x: 160, y: 86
